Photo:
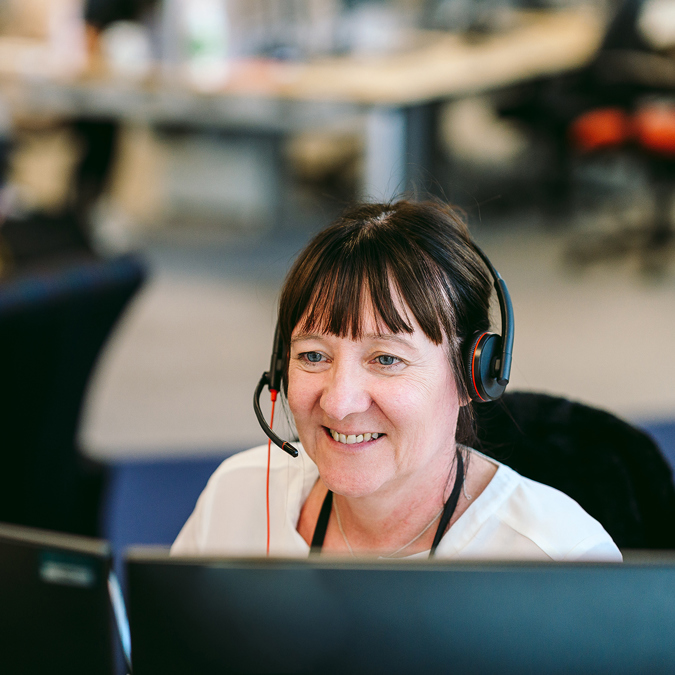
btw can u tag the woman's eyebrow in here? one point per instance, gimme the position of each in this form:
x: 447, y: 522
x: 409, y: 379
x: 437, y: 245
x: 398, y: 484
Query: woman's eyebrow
x: 306, y: 336
x: 390, y: 337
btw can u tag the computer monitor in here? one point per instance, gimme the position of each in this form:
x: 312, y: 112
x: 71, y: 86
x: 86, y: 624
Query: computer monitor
x: 289, y: 616
x: 55, y: 614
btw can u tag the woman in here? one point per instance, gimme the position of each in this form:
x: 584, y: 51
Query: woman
x: 376, y: 314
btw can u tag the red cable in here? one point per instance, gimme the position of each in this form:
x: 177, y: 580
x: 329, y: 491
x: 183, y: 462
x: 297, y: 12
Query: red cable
x: 273, y: 397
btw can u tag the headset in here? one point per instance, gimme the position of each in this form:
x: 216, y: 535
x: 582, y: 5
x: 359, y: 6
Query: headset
x: 487, y: 360
x: 273, y: 379
x: 488, y: 357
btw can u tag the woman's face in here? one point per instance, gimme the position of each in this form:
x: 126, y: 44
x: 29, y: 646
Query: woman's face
x: 399, y: 387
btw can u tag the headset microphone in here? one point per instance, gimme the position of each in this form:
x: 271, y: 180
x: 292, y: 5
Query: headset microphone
x: 272, y: 379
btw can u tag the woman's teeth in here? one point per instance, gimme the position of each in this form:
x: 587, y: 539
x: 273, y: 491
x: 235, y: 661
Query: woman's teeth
x: 352, y: 438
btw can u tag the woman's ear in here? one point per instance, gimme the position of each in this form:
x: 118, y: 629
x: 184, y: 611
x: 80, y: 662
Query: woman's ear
x: 463, y: 395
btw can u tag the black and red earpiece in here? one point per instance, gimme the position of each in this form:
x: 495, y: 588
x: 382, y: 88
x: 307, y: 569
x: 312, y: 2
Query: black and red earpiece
x: 488, y: 355
x: 273, y: 379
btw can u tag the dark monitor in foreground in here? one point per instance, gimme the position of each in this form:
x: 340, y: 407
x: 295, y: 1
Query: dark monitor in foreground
x: 55, y: 612
x: 283, y: 616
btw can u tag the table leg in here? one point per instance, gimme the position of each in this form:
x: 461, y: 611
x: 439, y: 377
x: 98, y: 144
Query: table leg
x: 274, y: 184
x: 400, y: 152
x: 422, y: 150
x: 385, y: 151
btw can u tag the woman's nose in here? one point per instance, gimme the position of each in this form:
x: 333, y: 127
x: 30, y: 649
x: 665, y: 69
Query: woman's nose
x: 344, y: 393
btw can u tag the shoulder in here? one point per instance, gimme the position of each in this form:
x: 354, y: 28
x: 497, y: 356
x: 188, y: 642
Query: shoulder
x: 552, y: 521
x: 251, y: 459
x: 231, y: 508
x: 252, y: 462
x: 518, y: 518
x: 234, y: 479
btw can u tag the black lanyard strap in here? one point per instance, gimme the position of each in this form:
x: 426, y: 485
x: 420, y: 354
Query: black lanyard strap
x: 446, y: 516
x: 450, y: 505
x: 322, y: 524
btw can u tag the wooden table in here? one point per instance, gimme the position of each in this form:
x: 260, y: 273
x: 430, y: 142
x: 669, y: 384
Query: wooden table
x: 395, y: 94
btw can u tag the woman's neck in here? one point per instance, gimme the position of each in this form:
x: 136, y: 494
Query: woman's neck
x: 384, y: 521
x: 391, y: 518
x: 381, y: 526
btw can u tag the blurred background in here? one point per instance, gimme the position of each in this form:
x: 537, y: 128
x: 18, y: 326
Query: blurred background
x: 162, y: 162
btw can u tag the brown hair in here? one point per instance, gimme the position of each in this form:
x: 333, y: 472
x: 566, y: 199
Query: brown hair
x: 422, y: 251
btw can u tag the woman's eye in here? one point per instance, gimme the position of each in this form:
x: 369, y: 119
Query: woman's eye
x: 386, y: 360
x: 313, y: 357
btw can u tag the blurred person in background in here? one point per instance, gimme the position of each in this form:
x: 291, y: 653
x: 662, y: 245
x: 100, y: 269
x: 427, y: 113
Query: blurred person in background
x: 44, y: 221
x: 99, y: 137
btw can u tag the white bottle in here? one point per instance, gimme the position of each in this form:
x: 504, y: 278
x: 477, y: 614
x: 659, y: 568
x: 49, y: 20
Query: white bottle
x: 205, y: 43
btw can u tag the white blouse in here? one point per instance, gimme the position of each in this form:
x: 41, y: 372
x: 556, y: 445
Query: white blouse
x: 514, y: 518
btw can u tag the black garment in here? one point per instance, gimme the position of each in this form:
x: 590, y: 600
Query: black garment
x: 613, y: 470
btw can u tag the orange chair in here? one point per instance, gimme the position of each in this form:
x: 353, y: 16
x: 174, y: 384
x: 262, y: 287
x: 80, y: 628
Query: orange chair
x: 649, y: 130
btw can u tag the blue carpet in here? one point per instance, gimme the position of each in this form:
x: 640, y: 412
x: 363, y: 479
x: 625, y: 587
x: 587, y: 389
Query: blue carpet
x: 148, y: 502
x: 664, y: 435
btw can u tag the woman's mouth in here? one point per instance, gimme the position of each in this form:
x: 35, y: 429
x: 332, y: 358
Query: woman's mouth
x: 352, y: 439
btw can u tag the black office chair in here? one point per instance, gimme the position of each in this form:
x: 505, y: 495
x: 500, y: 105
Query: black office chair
x: 54, y: 320
x: 613, y: 470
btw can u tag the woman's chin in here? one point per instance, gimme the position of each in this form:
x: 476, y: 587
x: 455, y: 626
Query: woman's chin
x: 350, y: 486
x: 351, y: 479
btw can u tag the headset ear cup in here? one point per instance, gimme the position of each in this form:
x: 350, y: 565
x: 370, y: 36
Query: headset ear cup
x: 484, y: 350
x: 469, y: 365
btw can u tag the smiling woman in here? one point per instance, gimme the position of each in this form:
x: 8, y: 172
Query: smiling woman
x: 381, y: 317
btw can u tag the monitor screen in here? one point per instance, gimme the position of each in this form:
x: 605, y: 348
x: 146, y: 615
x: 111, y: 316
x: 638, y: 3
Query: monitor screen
x: 55, y: 614
x: 279, y: 616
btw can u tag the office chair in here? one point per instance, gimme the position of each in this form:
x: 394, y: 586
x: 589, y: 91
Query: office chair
x: 54, y: 320
x: 567, y: 110
x: 647, y: 131
x: 613, y: 470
